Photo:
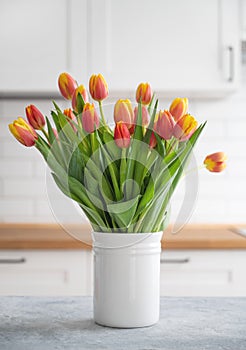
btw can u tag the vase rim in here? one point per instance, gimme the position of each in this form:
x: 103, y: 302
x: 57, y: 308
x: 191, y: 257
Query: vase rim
x: 124, y: 240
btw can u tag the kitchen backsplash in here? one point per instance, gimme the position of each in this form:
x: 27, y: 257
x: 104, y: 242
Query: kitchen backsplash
x: 221, y: 197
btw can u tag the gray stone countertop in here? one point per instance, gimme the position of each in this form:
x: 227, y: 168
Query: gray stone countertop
x: 65, y: 323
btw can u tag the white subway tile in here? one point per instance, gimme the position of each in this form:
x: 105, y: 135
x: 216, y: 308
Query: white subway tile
x: 16, y: 207
x: 24, y: 188
x: 15, y: 168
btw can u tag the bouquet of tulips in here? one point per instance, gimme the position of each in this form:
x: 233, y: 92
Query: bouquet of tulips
x: 122, y: 177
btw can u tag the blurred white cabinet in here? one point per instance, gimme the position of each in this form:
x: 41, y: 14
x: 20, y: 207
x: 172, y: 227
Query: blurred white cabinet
x: 203, y: 273
x: 189, y: 47
x: 40, y: 39
x: 70, y: 272
x: 46, y: 272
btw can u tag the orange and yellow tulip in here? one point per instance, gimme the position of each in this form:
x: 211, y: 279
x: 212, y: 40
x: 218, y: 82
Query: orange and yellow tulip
x: 69, y: 113
x: 82, y: 90
x: 23, y: 132
x: 90, y: 118
x: 98, y: 87
x: 67, y: 85
x: 215, y: 162
x: 123, y: 112
x: 185, y: 127
x: 144, y: 93
x: 122, y: 135
x: 179, y: 107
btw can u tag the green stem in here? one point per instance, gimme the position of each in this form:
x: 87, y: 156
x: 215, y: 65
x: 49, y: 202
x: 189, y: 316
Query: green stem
x: 45, y: 134
x: 101, y: 112
x: 123, y: 169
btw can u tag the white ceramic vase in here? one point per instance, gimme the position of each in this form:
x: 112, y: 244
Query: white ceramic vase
x: 126, y: 279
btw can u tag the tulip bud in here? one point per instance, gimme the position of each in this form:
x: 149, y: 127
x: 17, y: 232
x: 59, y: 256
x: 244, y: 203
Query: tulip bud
x: 67, y: 85
x: 123, y: 112
x: 35, y: 117
x: 23, y: 132
x: 90, y: 118
x: 144, y: 93
x: 98, y: 87
x: 122, y: 135
x: 145, y: 116
x: 178, y: 108
x: 152, y: 141
x: 185, y: 127
x: 82, y: 90
x: 69, y: 113
x: 165, y: 125
x: 215, y: 162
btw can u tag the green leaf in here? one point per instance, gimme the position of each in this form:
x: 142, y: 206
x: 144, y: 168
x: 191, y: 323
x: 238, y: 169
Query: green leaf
x: 76, y: 165
x: 138, y: 133
x: 151, y: 124
x: 123, y: 212
x: 80, y: 103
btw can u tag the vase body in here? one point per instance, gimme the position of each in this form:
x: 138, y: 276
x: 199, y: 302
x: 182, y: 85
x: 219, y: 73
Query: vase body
x: 126, y: 279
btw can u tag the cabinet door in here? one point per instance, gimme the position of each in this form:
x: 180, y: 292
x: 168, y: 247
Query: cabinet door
x: 39, y: 40
x: 203, y: 273
x: 188, y: 46
x: 40, y: 272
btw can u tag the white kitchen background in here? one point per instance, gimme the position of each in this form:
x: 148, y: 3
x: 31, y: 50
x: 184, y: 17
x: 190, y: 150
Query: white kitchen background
x: 191, y: 48
x: 48, y: 38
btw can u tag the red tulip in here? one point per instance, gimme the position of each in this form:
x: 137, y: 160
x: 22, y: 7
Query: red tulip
x: 98, y: 87
x: 153, y: 141
x: 122, y: 135
x: 178, y: 108
x: 215, y: 162
x: 67, y: 85
x: 185, y: 127
x: 144, y: 93
x: 35, y: 117
x: 165, y: 125
x: 23, y: 132
x: 90, y: 118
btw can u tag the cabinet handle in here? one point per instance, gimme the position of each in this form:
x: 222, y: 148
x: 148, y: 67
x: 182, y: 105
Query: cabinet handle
x: 13, y: 261
x: 175, y: 261
x: 231, y: 63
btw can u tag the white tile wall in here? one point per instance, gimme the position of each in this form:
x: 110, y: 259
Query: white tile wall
x: 221, y: 197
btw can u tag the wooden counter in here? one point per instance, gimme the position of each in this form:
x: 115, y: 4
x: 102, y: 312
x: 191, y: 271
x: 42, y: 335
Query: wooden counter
x: 52, y: 236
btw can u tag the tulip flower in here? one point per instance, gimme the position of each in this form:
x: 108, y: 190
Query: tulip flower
x: 23, y: 132
x: 90, y: 118
x: 82, y: 90
x: 178, y: 108
x: 215, y: 162
x: 98, y: 87
x: 144, y: 93
x: 152, y: 141
x: 185, y: 127
x: 123, y: 112
x: 145, y: 116
x: 35, y: 117
x: 122, y: 135
x: 165, y: 125
x: 67, y: 85
x: 69, y: 113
